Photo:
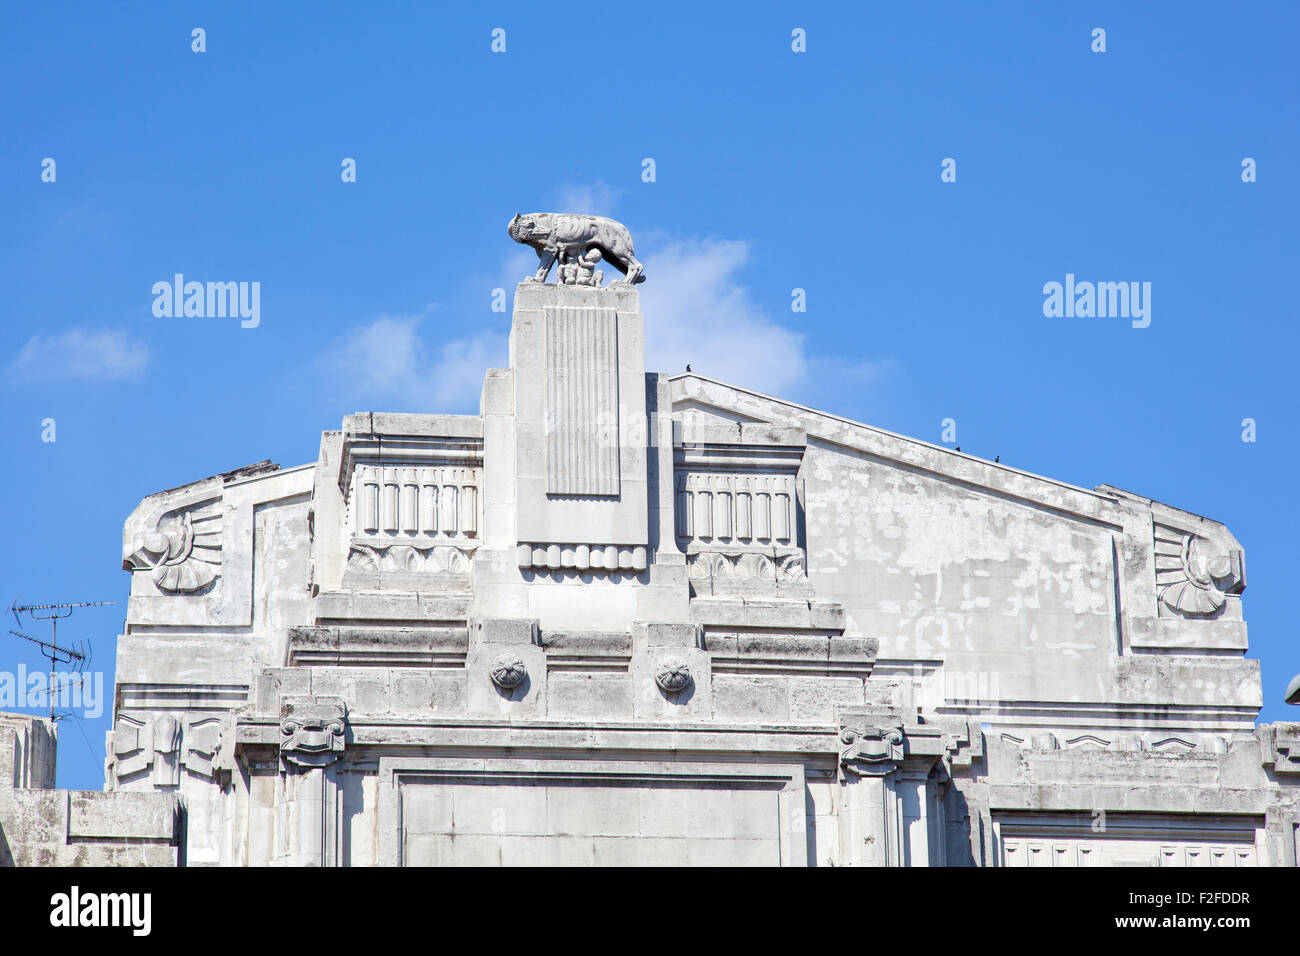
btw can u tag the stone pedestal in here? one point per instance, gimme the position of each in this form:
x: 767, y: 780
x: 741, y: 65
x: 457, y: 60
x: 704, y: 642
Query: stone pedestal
x: 578, y: 487
x: 580, y: 438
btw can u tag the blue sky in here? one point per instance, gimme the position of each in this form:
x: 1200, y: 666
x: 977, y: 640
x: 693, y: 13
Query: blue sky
x: 774, y: 170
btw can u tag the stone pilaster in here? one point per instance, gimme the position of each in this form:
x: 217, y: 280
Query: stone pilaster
x: 312, y: 739
x: 889, y: 815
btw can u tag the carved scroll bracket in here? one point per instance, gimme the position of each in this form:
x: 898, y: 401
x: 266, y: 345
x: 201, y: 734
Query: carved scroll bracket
x: 312, y: 731
x: 871, y: 751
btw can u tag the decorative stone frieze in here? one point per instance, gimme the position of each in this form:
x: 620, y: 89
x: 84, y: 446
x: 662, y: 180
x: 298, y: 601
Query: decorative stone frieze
x: 408, y: 566
x: 747, y: 567
x: 162, y: 744
x: 436, y: 502
x: 737, y: 508
x: 405, y: 557
x: 1046, y: 740
x: 412, y: 500
x: 602, y: 558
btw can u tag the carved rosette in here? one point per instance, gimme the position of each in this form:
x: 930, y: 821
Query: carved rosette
x: 871, y: 751
x: 1195, y: 575
x: 673, y: 675
x: 508, y: 671
x: 311, y: 731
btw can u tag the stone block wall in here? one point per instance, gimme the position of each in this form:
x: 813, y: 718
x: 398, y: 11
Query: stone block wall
x: 42, y: 826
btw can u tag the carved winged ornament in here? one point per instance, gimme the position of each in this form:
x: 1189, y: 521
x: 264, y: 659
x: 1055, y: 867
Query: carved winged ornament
x: 1195, y: 575
x: 184, y: 560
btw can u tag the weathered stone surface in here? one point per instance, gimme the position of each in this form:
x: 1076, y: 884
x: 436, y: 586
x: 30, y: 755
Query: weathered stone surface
x: 124, y: 816
x: 42, y: 826
x: 27, y: 749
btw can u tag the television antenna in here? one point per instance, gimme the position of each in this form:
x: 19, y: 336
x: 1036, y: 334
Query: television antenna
x: 76, y: 656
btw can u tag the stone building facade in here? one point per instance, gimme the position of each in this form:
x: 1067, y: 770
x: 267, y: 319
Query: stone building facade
x: 621, y: 617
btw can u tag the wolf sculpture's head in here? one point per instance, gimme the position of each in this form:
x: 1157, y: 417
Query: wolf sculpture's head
x: 530, y: 228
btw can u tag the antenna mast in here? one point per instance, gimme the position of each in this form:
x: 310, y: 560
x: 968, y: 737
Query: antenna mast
x: 74, y: 656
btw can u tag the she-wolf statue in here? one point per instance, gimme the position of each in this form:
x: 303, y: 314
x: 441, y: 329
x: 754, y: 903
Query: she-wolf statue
x: 578, y: 242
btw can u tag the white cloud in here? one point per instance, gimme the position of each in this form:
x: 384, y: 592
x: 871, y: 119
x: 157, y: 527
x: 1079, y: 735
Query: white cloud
x: 698, y: 314
x: 388, y: 365
x: 592, y: 199
x: 84, y: 355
